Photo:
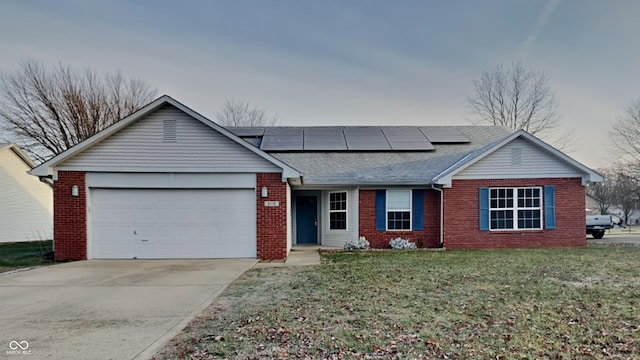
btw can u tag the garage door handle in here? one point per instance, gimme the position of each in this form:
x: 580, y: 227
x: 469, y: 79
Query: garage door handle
x: 144, y: 240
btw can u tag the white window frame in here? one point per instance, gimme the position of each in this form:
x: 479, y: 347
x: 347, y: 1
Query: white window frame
x: 345, y: 211
x: 388, y: 209
x: 515, y: 208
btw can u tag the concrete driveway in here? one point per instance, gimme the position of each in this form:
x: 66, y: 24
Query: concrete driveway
x: 106, y: 309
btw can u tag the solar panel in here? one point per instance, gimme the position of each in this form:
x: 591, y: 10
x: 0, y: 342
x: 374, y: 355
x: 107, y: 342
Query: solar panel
x: 323, y: 131
x: 246, y: 131
x: 324, y: 138
x: 437, y: 134
x: 255, y: 141
x: 407, y: 138
x: 366, y: 138
x: 282, y: 139
x: 354, y: 138
x: 362, y: 131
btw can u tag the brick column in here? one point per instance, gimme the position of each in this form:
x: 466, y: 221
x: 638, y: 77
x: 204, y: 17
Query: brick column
x: 70, y: 217
x: 271, y: 221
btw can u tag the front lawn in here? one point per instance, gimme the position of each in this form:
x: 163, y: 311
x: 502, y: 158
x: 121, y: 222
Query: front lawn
x: 24, y: 254
x: 501, y: 304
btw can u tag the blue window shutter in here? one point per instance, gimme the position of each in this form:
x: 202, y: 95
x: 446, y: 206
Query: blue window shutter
x: 484, y: 209
x: 418, y: 212
x: 381, y: 210
x: 549, y: 207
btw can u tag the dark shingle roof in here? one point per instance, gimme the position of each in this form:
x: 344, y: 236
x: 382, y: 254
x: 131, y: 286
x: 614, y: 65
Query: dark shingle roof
x: 388, y: 167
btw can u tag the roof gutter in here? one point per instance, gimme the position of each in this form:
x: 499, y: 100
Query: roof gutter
x: 46, y: 179
x: 441, y: 212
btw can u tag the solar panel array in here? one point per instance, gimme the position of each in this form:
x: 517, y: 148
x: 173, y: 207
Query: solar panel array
x: 352, y: 138
x: 443, y: 134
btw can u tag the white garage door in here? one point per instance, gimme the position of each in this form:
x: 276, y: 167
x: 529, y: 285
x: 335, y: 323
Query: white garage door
x: 162, y: 223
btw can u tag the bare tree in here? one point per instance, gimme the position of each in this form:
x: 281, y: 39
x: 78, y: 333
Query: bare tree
x: 626, y: 136
x: 241, y: 113
x: 627, y: 189
x: 48, y: 109
x: 520, y: 99
x: 604, y: 192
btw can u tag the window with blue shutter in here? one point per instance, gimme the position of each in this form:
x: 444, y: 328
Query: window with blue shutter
x: 484, y: 208
x: 399, y: 210
x: 418, y: 212
x: 381, y: 210
x: 549, y: 207
x: 517, y: 208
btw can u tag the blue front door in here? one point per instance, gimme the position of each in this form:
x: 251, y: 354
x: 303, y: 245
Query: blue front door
x: 306, y: 219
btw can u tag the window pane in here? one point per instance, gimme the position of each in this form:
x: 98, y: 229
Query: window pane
x: 501, y: 219
x: 529, y: 219
x: 501, y: 198
x: 338, y: 221
x: 399, y: 220
x: 529, y: 197
x: 398, y: 199
x: 338, y: 201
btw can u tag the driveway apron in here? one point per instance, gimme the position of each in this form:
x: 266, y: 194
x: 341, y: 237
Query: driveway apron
x: 106, y: 309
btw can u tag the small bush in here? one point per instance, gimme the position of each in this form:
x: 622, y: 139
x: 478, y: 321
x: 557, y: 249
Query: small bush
x: 360, y: 244
x: 401, y: 244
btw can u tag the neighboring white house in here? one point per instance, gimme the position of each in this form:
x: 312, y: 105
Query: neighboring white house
x: 592, y: 205
x: 26, y: 203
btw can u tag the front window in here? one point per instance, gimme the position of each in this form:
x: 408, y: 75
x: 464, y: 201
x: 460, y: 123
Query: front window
x: 398, y: 209
x: 338, y: 210
x: 516, y: 208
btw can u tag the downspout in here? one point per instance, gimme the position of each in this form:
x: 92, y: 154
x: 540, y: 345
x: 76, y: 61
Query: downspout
x: 441, y: 213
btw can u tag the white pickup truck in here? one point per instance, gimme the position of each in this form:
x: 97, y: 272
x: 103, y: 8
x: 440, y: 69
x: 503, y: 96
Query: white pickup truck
x: 597, y: 224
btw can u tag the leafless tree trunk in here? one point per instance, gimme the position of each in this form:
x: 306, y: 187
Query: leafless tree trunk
x: 604, y: 192
x: 627, y: 189
x: 242, y: 113
x: 520, y: 99
x: 46, y: 110
x: 626, y: 136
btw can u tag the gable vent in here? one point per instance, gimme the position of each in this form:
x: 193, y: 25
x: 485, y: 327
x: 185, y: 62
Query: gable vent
x: 169, y: 130
x: 516, y: 157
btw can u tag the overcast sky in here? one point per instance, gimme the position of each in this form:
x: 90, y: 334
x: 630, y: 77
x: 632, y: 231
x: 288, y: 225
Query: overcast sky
x: 337, y: 62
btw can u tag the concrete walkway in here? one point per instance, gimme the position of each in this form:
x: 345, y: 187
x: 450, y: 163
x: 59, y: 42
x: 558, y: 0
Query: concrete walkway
x: 106, y: 309
x: 300, y: 255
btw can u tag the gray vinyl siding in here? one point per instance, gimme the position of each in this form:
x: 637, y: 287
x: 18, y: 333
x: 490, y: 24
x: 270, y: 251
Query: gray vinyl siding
x: 518, y: 159
x: 338, y: 238
x: 26, y: 203
x: 144, y: 147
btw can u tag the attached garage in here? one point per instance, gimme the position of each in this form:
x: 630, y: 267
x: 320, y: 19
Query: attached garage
x: 172, y: 223
x: 166, y: 182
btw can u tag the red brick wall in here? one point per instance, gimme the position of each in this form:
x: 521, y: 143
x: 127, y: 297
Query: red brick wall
x: 380, y: 239
x: 69, y: 217
x: 461, y: 216
x: 271, y: 220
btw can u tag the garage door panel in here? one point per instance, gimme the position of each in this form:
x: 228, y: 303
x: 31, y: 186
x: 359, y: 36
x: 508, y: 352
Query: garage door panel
x: 155, y: 223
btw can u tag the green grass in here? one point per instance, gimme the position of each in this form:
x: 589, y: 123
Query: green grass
x: 24, y: 254
x: 502, y: 304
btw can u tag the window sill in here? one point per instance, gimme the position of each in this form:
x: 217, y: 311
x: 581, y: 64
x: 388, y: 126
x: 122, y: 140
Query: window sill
x: 521, y: 231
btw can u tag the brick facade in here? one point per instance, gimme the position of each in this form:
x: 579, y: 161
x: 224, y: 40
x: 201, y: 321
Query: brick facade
x: 380, y: 239
x: 271, y: 226
x: 461, y: 216
x: 461, y: 219
x: 69, y: 217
